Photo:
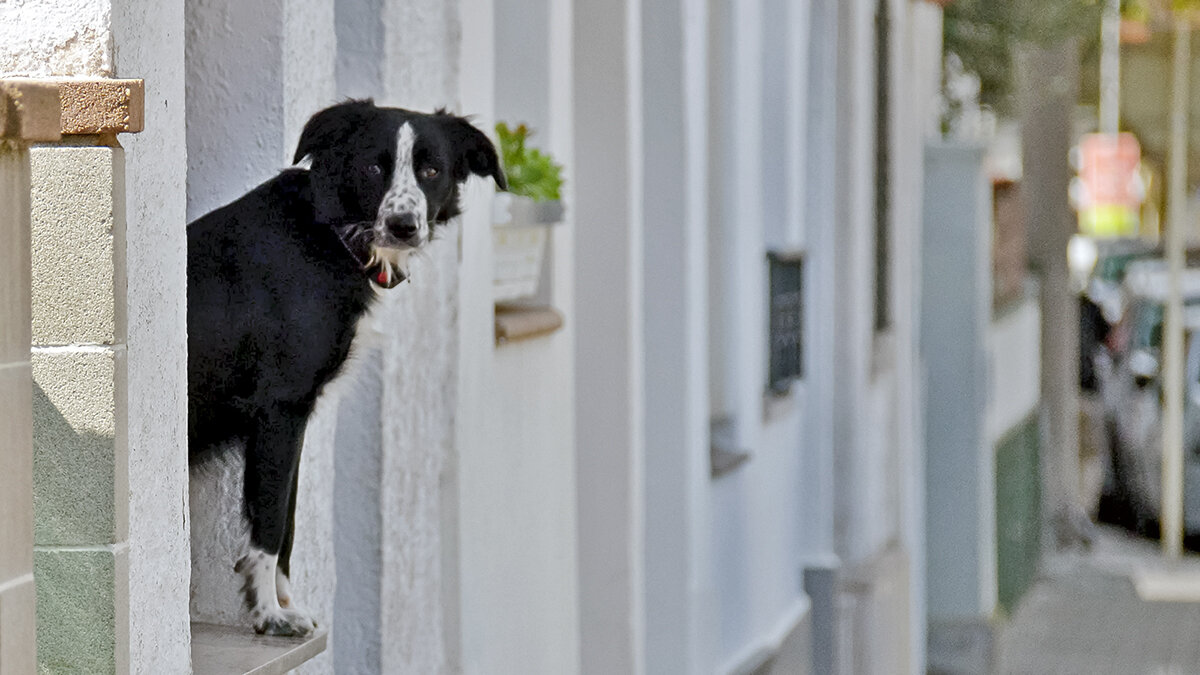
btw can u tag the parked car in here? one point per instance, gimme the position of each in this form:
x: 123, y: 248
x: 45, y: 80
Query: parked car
x: 1128, y: 374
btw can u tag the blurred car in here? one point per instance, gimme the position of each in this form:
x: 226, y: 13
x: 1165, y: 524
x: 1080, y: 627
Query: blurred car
x: 1128, y: 375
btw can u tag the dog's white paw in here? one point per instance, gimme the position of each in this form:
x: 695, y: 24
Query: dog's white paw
x: 269, y: 597
x: 290, y: 622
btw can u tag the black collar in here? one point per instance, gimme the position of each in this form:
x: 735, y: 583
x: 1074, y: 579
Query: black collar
x: 377, y: 273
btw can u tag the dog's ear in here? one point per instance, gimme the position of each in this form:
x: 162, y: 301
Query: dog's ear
x: 331, y: 127
x: 473, y: 150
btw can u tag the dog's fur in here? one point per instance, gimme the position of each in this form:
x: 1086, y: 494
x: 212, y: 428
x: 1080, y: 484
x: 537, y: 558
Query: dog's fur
x: 277, y: 281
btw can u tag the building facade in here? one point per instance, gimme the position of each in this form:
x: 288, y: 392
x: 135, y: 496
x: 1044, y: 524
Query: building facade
x: 713, y: 462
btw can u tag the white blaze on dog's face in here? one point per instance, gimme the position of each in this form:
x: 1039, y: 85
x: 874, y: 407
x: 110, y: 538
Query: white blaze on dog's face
x: 402, y: 223
x: 403, y: 213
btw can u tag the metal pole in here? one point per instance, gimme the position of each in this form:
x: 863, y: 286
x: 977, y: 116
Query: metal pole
x: 1110, y: 69
x: 1171, y: 518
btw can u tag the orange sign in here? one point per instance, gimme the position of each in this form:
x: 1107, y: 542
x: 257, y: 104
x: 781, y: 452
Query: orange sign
x: 1109, y: 191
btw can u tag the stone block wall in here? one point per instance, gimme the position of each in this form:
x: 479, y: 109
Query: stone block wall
x: 81, y: 487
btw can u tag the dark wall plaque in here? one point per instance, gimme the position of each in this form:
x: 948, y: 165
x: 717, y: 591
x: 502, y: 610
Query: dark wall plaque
x: 787, y: 320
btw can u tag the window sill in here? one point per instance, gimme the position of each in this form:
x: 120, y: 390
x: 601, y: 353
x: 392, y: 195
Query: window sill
x: 724, y: 461
x: 779, y: 404
x: 522, y: 323
x: 226, y: 650
x: 724, y: 455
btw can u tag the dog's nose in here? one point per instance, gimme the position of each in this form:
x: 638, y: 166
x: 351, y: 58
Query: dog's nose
x: 403, y: 226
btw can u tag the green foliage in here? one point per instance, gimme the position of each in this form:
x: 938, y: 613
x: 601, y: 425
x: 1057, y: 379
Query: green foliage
x: 1148, y: 10
x: 530, y: 172
x: 984, y: 33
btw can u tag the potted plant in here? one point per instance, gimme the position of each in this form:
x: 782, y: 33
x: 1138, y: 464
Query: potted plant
x: 523, y: 215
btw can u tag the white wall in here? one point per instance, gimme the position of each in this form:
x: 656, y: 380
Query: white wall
x: 148, y: 39
x: 862, y: 470
x: 609, y: 375
x: 821, y: 234
x: 57, y: 38
x: 822, y: 373
x: 1014, y: 351
x: 955, y: 327
x: 234, y: 113
x: 755, y: 535
x: 877, y: 390
x: 680, y: 599
x: 918, y: 65
x: 519, y: 607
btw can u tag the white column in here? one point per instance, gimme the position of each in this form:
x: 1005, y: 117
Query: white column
x: 678, y: 603
x: 148, y: 35
x: 608, y: 348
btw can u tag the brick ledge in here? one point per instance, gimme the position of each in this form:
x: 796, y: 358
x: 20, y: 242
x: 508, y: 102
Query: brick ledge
x: 29, y: 111
x: 85, y: 106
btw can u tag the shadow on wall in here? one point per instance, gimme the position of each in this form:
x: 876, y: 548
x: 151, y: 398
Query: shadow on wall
x: 70, y: 469
x: 73, y: 505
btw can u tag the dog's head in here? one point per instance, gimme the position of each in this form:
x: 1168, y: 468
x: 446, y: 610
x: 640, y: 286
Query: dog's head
x: 387, y: 177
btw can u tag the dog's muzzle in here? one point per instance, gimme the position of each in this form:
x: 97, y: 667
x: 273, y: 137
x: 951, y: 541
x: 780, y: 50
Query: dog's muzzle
x: 405, y: 228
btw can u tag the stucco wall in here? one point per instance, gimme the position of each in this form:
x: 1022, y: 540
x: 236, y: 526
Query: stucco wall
x: 419, y: 326
x: 234, y: 113
x: 44, y: 38
x: 148, y: 39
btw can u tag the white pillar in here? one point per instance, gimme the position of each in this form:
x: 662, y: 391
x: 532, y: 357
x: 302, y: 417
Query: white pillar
x: 678, y: 602
x: 608, y: 348
x: 148, y: 35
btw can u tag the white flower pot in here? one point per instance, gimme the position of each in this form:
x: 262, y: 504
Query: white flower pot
x: 519, y: 234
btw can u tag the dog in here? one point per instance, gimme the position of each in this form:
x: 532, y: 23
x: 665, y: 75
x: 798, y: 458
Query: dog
x: 277, y: 281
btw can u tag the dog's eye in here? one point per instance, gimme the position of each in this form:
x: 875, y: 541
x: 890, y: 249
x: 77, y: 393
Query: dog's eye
x: 428, y: 172
x: 375, y: 170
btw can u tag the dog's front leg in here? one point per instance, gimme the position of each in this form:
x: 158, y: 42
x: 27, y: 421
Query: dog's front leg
x: 272, y: 461
x: 283, y: 576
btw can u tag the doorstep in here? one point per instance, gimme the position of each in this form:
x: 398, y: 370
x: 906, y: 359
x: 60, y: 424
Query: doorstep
x: 236, y: 650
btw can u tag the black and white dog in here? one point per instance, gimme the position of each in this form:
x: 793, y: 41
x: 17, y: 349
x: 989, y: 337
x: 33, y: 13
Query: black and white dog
x: 277, y: 281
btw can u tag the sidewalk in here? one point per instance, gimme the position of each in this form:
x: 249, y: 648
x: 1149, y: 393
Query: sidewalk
x: 1086, y: 616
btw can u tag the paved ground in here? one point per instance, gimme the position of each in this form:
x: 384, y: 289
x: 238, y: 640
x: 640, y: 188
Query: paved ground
x: 1086, y: 616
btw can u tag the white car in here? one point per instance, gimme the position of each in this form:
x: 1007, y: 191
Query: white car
x: 1132, y: 394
